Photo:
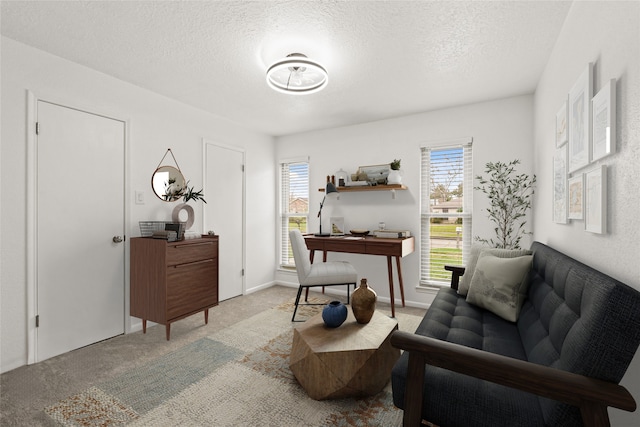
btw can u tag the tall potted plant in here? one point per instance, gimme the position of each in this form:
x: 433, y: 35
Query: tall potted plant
x: 510, y: 197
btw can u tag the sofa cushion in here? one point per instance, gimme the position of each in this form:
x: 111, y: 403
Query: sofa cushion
x: 500, y: 284
x: 470, y: 266
x: 451, y: 318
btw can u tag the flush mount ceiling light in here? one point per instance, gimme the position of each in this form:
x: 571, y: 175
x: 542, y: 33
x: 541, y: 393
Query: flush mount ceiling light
x: 298, y: 75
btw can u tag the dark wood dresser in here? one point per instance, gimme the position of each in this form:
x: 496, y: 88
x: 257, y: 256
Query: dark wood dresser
x: 173, y: 280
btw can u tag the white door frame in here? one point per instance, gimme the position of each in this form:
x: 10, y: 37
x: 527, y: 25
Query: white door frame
x: 31, y: 216
x: 242, y: 151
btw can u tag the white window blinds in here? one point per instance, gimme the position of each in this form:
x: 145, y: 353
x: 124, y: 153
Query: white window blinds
x: 294, y: 205
x: 446, y: 206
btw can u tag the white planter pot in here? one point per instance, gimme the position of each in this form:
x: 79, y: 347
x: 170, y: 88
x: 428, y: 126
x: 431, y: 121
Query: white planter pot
x: 394, y: 177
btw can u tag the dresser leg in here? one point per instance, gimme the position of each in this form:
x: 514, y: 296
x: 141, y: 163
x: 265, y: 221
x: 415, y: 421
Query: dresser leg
x: 206, y: 316
x: 144, y: 326
x: 168, y: 330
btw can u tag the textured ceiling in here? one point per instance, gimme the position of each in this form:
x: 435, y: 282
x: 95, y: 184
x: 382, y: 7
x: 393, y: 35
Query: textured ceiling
x: 384, y: 58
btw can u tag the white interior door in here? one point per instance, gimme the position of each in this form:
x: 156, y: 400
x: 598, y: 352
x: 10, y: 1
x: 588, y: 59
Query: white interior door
x: 80, y: 209
x: 224, y: 213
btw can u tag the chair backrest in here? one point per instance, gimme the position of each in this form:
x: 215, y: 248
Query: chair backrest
x: 300, y: 254
x: 579, y: 320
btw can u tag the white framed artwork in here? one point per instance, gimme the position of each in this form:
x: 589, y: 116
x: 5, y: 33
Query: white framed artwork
x: 596, y: 200
x: 560, y: 186
x: 562, y: 125
x: 603, y: 118
x: 337, y: 226
x: 579, y: 120
x: 575, y: 197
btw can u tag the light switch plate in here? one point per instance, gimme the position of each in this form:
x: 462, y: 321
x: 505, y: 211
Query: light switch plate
x: 139, y: 197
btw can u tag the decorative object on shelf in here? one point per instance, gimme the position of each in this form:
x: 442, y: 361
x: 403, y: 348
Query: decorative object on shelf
x: 360, y: 232
x: 603, y: 107
x: 562, y: 125
x: 595, y: 183
x: 376, y: 174
x: 394, y: 177
x: 510, y: 197
x: 579, y: 120
x: 363, y: 302
x: 167, y: 182
x: 334, y: 314
x: 560, y: 186
x: 297, y: 75
x: 330, y: 188
x: 342, y: 177
x: 576, y: 197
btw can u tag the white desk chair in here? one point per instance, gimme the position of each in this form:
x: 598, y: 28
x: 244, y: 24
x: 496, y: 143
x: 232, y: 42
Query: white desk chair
x: 329, y: 273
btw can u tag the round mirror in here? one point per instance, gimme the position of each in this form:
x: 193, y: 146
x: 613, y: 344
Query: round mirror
x: 168, y: 183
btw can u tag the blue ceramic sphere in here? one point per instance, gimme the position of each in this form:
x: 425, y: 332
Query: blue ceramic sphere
x: 334, y: 314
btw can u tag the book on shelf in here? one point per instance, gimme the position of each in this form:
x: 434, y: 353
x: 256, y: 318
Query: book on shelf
x: 392, y: 233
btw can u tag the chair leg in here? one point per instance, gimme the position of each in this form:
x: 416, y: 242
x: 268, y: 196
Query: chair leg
x: 293, y: 318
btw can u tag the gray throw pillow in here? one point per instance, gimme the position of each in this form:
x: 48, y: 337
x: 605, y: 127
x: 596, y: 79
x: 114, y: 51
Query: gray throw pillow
x: 500, y: 284
x: 470, y: 267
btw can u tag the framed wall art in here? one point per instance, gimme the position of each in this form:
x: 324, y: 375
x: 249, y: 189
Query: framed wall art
x: 603, y: 118
x: 575, y: 197
x: 560, y: 186
x: 337, y: 226
x: 562, y: 128
x: 596, y: 200
x: 579, y: 120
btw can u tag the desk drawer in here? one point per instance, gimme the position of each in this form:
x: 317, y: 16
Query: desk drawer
x: 185, y: 253
x: 380, y: 247
x: 355, y: 248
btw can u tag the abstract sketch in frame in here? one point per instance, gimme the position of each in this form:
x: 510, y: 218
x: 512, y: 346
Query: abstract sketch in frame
x: 596, y: 200
x: 576, y: 197
x: 562, y: 125
x: 560, y: 186
x: 579, y: 120
x: 603, y: 107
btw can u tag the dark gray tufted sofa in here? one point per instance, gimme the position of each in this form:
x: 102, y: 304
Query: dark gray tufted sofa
x: 469, y: 367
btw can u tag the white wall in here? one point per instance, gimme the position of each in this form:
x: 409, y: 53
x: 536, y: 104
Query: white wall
x: 607, y: 34
x: 156, y: 123
x: 501, y: 130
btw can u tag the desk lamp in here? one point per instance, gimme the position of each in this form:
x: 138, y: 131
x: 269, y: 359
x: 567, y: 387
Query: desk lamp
x: 331, y: 188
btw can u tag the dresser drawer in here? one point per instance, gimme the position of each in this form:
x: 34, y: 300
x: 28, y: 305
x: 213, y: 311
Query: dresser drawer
x: 191, y: 287
x: 185, y: 253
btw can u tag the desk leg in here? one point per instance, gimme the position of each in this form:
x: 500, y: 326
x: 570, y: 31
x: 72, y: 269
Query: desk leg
x: 390, y: 270
x: 400, y: 278
x: 311, y: 256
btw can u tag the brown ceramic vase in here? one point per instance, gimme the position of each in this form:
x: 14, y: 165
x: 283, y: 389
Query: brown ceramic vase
x: 363, y: 302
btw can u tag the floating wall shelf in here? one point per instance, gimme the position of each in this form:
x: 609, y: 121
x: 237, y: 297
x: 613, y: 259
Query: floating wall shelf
x: 369, y: 188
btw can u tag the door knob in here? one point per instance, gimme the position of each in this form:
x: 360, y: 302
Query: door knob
x: 117, y: 239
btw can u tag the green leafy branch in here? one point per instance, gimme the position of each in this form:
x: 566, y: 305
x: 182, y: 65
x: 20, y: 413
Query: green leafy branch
x: 510, y: 197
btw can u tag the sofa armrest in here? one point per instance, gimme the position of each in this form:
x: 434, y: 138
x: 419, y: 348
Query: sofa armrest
x: 456, y: 272
x: 592, y: 396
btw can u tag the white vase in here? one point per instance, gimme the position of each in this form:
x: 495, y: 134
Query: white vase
x: 394, y: 177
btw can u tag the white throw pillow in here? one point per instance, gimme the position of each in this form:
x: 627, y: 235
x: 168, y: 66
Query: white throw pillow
x: 500, y: 284
x: 476, y: 250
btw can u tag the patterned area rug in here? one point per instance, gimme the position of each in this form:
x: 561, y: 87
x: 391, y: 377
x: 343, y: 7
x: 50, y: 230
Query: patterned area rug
x: 239, y: 376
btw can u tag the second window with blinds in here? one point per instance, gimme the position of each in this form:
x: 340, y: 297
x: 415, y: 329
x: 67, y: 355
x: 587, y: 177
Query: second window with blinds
x: 445, y: 220
x: 294, y: 205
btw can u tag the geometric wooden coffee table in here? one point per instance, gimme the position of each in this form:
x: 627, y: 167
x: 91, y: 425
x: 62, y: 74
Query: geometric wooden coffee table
x: 351, y: 360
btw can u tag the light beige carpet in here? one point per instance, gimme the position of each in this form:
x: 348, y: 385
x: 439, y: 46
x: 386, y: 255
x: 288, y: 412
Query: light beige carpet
x: 238, y: 376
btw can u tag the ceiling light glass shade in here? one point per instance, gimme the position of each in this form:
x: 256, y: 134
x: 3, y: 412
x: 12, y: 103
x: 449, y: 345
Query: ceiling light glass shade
x: 297, y: 74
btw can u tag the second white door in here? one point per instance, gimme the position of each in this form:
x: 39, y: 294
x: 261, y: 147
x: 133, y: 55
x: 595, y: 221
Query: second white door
x: 224, y: 213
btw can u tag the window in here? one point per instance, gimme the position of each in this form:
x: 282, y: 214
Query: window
x: 294, y: 205
x: 445, y: 220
